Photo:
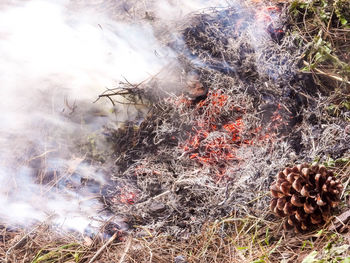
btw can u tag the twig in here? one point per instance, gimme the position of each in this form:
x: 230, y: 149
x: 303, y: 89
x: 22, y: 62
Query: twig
x: 345, y: 186
x: 259, y: 197
x: 104, y: 247
x: 327, y: 74
x: 127, y: 247
x: 20, y: 242
x: 153, y: 198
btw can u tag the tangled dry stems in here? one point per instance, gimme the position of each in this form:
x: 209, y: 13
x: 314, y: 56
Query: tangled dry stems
x: 252, y: 79
x: 230, y: 239
x: 323, y: 25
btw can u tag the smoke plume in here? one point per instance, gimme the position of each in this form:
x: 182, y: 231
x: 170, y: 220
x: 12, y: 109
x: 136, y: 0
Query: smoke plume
x: 54, y: 62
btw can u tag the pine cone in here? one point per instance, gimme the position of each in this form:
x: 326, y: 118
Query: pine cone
x: 305, y: 195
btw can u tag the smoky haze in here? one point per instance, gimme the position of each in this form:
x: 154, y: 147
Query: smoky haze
x: 56, y: 57
x: 54, y: 62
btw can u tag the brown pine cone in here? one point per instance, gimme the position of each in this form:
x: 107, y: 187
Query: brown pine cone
x: 305, y: 194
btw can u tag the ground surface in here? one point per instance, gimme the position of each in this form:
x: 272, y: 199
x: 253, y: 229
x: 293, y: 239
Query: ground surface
x: 257, y: 87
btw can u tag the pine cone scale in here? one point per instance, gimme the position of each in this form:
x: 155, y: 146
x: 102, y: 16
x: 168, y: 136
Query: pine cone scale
x: 296, y: 201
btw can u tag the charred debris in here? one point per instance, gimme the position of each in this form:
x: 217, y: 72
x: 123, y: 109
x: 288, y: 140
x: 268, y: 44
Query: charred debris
x: 212, y: 147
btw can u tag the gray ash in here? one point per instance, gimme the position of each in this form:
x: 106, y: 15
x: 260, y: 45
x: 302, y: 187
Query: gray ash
x: 252, y: 80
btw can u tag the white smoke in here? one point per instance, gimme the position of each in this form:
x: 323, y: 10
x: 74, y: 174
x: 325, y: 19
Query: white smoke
x: 178, y: 9
x: 54, y: 62
x: 51, y: 57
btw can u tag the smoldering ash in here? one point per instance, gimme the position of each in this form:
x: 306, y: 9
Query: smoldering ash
x: 54, y: 64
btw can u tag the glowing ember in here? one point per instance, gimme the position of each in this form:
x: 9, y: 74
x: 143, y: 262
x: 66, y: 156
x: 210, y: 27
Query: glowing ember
x: 126, y: 197
x: 214, y: 140
x: 277, y: 121
x: 212, y: 146
x: 268, y: 16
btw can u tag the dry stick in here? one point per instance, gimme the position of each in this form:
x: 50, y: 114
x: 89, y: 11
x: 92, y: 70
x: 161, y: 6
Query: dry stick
x: 345, y: 185
x: 104, y: 247
x: 20, y: 242
x: 154, y: 198
x: 327, y: 74
x: 127, y: 247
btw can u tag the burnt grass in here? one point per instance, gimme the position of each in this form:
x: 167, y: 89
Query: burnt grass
x: 257, y: 67
x: 257, y: 113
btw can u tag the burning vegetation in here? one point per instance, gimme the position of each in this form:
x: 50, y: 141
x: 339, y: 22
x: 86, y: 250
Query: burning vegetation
x: 188, y: 178
x: 192, y: 154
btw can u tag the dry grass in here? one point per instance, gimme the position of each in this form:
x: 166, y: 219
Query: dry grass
x: 231, y: 239
x: 324, y: 26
